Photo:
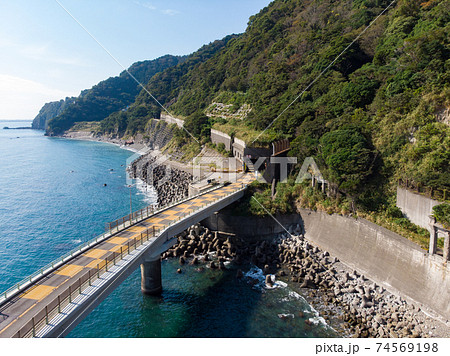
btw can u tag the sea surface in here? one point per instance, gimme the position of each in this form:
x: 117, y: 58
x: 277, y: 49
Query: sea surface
x: 53, y: 197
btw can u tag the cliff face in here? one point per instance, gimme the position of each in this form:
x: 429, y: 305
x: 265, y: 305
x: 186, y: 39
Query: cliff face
x: 49, y: 111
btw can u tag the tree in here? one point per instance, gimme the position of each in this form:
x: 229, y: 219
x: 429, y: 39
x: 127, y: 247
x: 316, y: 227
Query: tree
x: 198, y: 124
x: 348, y: 158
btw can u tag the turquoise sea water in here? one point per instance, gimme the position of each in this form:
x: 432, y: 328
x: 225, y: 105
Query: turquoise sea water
x: 52, y: 198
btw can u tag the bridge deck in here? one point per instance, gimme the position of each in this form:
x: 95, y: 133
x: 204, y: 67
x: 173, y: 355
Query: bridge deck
x: 21, y: 315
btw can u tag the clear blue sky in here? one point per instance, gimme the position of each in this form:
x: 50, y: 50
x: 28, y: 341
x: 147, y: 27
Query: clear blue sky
x: 45, y: 55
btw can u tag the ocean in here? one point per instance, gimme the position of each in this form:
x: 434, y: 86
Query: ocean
x: 57, y: 193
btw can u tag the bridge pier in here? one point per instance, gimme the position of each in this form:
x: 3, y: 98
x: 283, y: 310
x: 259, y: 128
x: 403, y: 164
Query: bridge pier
x: 151, y: 276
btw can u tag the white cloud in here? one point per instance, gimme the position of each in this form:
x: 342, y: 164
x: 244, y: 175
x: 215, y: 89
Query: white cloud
x: 146, y: 5
x: 170, y: 12
x: 22, y: 98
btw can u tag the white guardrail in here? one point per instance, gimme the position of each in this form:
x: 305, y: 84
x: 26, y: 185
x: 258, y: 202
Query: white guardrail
x: 145, y: 213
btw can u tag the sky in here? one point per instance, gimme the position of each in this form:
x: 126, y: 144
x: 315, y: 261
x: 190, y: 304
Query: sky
x: 47, y: 54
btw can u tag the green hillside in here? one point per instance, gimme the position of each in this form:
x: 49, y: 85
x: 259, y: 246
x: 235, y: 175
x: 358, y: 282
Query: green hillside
x: 49, y: 111
x: 379, y: 114
x: 110, y: 95
x: 165, y: 86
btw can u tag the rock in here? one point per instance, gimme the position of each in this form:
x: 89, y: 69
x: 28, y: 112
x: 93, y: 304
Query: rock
x: 379, y: 319
x: 179, y: 270
x: 182, y: 260
x: 269, y: 282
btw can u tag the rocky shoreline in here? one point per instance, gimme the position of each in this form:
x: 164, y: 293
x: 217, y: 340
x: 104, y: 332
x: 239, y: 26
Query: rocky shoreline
x: 171, y: 184
x: 365, y: 308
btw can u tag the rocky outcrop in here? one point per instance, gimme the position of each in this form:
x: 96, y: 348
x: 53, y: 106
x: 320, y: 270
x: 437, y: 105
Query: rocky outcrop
x: 367, y: 309
x: 49, y: 111
x: 171, y: 184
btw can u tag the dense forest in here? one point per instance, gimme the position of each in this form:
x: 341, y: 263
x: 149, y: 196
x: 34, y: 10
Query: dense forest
x: 108, y: 96
x: 382, y: 106
x: 372, y: 103
x: 166, y: 86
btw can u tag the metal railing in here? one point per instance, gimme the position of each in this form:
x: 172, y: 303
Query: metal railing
x: 55, y: 307
x: 126, y: 222
x: 42, y: 318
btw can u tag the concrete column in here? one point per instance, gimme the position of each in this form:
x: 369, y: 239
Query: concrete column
x: 447, y: 247
x: 433, y: 240
x: 151, y: 276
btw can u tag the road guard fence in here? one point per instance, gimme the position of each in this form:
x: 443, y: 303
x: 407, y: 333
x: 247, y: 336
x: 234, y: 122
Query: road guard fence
x: 42, y: 318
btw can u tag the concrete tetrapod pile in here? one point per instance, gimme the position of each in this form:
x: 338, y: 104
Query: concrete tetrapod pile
x: 367, y: 310
x: 171, y: 184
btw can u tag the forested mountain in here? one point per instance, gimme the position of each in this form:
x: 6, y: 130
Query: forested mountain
x: 165, y: 86
x: 379, y: 113
x: 49, y: 111
x: 108, y: 96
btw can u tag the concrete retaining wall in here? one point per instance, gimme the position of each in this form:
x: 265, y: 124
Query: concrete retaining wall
x: 172, y: 120
x: 250, y: 226
x: 221, y: 137
x: 415, y: 207
x: 383, y: 256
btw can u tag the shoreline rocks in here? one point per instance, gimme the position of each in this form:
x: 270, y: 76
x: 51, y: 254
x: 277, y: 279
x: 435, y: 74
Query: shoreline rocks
x: 365, y: 309
x: 171, y: 184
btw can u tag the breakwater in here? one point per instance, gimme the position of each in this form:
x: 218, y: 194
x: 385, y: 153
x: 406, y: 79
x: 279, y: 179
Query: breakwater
x: 366, y: 308
x: 386, y: 257
x: 171, y: 184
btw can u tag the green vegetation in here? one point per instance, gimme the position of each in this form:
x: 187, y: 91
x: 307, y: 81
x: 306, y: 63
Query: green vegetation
x: 369, y: 120
x: 109, y: 95
x: 88, y: 126
x: 442, y: 214
x: 49, y: 111
x: 166, y: 86
x: 348, y: 158
x: 377, y: 115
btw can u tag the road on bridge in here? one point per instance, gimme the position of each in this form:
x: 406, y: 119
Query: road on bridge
x: 29, y: 311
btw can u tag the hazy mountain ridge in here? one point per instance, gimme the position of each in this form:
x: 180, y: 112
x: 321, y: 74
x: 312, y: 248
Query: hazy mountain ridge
x: 108, y: 96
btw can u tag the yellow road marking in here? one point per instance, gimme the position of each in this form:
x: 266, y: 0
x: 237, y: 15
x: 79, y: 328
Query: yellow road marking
x: 95, y: 253
x: 69, y: 270
x: 118, y: 240
x: 116, y: 249
x: 93, y: 264
x: 38, y: 293
x: 136, y: 228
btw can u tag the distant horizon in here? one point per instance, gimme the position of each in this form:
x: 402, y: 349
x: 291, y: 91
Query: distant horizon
x: 47, y: 56
x: 14, y: 120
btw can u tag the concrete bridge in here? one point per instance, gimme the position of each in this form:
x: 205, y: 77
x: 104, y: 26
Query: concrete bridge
x: 51, y: 302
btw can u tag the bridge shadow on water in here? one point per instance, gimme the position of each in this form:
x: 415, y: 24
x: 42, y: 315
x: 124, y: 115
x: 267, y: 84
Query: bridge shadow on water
x: 202, y: 302
x: 213, y: 303
x: 199, y: 302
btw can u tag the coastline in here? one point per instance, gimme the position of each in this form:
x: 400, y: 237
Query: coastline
x: 427, y: 325
x: 138, y: 148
